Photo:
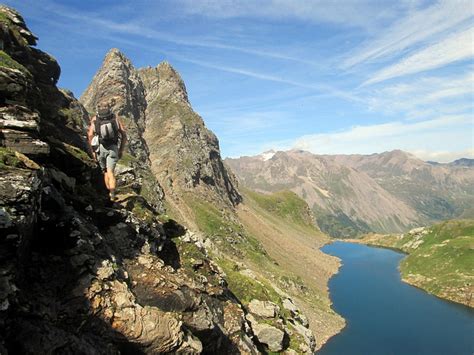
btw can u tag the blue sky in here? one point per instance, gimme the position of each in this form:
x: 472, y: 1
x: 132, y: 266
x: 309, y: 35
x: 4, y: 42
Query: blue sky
x: 328, y: 76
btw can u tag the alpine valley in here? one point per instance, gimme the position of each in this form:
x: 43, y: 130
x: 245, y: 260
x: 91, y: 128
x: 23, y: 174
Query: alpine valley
x: 197, y: 255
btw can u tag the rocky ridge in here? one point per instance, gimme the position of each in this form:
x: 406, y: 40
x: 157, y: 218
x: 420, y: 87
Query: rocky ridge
x: 80, y: 275
x: 77, y: 274
x: 354, y: 194
x: 183, y: 155
x: 435, y: 192
x: 344, y: 200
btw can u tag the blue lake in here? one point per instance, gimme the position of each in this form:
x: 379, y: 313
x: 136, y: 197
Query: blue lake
x: 386, y: 316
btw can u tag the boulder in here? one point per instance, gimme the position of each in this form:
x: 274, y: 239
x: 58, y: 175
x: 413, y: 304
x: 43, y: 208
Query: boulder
x: 270, y: 336
x: 264, y: 309
x: 267, y: 334
x: 290, y: 306
x: 307, y: 335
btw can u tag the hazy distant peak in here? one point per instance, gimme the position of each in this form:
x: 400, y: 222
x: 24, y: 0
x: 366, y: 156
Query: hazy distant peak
x: 399, y: 153
x: 463, y: 162
x: 267, y: 155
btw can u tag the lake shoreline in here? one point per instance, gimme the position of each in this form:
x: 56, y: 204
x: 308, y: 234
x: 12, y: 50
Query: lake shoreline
x: 368, y: 283
x: 410, y: 281
x: 324, y: 341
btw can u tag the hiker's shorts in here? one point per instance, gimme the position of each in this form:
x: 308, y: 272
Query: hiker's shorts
x: 108, y: 157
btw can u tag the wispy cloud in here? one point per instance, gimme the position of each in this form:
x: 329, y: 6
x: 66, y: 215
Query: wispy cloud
x: 254, y: 123
x: 449, y: 133
x: 421, y: 97
x: 415, y: 29
x: 323, y: 88
x: 138, y: 29
x: 455, y: 48
x: 348, y: 14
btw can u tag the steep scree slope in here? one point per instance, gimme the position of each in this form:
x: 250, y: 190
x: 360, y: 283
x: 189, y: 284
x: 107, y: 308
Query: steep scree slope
x: 435, y: 191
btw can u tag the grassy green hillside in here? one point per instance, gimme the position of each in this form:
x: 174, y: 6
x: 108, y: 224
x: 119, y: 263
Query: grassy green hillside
x: 440, y: 258
x: 284, y: 204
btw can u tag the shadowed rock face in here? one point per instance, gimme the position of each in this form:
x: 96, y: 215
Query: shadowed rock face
x: 30, y: 102
x: 77, y: 274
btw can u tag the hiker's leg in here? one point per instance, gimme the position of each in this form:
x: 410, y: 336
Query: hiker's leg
x: 102, y: 160
x: 106, y: 180
x: 112, y: 159
x: 110, y: 178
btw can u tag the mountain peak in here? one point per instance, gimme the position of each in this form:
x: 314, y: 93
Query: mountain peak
x: 165, y: 82
x: 117, y: 81
x: 184, y: 154
x: 114, y: 54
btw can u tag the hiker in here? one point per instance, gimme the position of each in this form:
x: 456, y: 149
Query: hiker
x: 105, y: 132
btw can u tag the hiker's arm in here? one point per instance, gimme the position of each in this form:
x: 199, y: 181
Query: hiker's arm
x: 123, y: 139
x: 90, y: 135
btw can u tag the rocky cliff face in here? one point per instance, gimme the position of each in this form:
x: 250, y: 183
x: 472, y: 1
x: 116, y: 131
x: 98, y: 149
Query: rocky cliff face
x: 81, y: 275
x: 29, y: 94
x: 184, y: 153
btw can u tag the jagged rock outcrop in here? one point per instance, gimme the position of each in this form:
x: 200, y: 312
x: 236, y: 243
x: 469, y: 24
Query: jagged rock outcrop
x: 77, y: 274
x: 269, y: 335
x: 117, y: 82
x: 29, y: 94
x: 184, y: 154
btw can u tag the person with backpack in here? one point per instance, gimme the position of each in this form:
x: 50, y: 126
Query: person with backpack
x: 104, y: 134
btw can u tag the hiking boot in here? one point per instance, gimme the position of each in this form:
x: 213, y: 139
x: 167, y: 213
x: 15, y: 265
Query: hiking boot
x: 112, y: 195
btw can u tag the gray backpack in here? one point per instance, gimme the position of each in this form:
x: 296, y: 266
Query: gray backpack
x: 106, y: 128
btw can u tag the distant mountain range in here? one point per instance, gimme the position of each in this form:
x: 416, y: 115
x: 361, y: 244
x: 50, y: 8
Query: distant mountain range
x: 353, y: 194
